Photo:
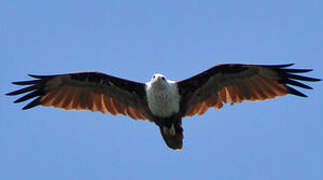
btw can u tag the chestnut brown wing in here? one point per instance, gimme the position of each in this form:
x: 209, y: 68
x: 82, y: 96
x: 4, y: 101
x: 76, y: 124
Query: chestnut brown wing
x: 92, y: 91
x: 234, y: 83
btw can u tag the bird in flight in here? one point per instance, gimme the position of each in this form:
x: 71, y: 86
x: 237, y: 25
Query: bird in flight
x: 162, y: 101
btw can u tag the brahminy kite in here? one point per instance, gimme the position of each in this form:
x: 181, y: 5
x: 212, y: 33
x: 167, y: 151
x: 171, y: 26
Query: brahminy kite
x: 163, y: 101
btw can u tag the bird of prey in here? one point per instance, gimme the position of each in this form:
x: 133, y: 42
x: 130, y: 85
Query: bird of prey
x: 162, y: 101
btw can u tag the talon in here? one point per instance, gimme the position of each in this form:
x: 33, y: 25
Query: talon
x: 172, y: 130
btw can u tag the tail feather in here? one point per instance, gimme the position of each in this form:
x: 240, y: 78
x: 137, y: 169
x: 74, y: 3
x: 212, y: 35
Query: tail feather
x: 173, y: 135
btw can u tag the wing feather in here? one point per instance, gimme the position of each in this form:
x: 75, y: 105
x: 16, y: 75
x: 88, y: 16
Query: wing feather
x: 234, y: 83
x: 86, y: 91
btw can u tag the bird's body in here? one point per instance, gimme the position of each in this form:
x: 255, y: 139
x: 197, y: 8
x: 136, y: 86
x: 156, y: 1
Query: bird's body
x: 163, y: 101
x: 162, y: 96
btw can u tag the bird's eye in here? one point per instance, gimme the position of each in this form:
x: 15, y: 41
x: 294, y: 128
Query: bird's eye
x: 163, y: 78
x: 154, y: 76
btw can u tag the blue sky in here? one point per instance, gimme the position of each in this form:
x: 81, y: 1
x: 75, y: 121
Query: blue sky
x: 276, y: 139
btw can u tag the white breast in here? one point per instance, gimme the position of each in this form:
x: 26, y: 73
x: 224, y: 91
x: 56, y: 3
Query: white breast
x: 163, y: 100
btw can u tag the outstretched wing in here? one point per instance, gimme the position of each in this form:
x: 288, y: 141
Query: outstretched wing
x: 237, y: 82
x: 86, y: 91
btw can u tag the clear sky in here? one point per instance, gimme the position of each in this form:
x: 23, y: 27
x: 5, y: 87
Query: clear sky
x: 278, y: 139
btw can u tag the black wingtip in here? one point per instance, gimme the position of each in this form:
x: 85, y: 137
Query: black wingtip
x: 23, y: 90
x: 280, y: 65
x: 40, y: 76
x: 290, y: 76
x: 295, y: 83
x: 297, y: 70
x: 26, y: 82
x: 34, y: 89
x: 32, y: 104
x: 9, y: 94
x: 295, y: 92
x: 34, y: 76
x: 30, y: 95
x: 302, y: 78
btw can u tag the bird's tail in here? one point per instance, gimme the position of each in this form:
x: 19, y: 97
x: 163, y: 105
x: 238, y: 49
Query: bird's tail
x: 173, y: 135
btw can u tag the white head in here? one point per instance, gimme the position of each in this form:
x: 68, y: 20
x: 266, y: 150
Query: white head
x: 158, y: 77
x: 159, y: 80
